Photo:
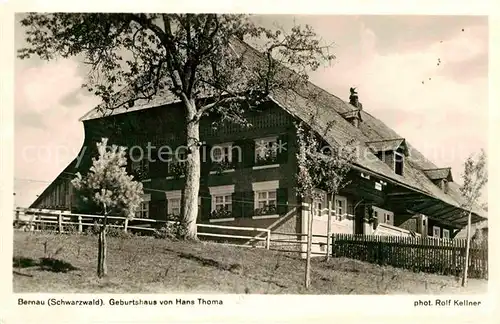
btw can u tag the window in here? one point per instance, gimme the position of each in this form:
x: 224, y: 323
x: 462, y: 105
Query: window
x: 222, y: 202
x: 319, y: 203
x: 139, y: 165
x: 436, y: 232
x: 177, y: 161
x: 387, y: 219
x: 444, y: 185
x: 143, y: 211
x: 266, y: 198
x: 340, y: 206
x: 398, y: 163
x: 222, y: 153
x: 317, y: 206
x: 446, y: 233
x: 174, y: 207
x: 222, y: 199
x: 266, y: 150
x: 265, y: 195
x: 173, y: 202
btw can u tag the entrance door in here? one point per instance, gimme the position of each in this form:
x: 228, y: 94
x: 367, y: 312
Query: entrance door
x: 358, y: 219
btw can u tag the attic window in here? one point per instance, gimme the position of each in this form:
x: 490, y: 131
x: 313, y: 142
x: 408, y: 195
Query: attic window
x: 392, y: 152
x: 440, y: 177
x: 444, y: 185
x: 398, y: 163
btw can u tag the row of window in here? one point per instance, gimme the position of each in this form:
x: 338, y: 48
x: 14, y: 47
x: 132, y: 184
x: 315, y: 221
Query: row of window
x: 266, y: 151
x: 321, y: 210
x: 436, y: 232
x: 265, y: 200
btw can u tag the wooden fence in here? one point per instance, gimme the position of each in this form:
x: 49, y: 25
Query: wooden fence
x: 63, y: 222
x: 415, y: 253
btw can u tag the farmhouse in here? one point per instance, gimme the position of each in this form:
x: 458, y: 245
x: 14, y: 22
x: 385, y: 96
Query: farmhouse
x: 248, y: 173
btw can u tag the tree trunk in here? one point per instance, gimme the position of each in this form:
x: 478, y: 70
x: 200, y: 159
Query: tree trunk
x: 193, y: 167
x: 467, y: 251
x: 102, y: 269
x: 309, y: 244
x: 329, y: 226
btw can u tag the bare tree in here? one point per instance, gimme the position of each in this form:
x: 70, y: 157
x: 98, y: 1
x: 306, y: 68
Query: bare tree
x: 475, y: 177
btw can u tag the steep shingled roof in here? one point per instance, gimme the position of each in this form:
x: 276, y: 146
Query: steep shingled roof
x: 439, y: 173
x: 311, y: 103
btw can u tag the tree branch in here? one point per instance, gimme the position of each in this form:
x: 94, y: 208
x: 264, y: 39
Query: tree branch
x: 222, y: 101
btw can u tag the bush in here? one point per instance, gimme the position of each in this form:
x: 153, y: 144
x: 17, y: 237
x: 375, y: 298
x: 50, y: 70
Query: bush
x: 70, y: 229
x: 171, y: 230
x: 111, y: 231
x: 92, y: 230
x: 118, y: 232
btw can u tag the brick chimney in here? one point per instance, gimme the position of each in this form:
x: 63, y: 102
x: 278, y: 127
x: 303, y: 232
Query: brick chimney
x: 354, y: 116
x: 354, y: 100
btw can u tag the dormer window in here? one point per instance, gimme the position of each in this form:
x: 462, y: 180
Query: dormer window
x: 440, y: 177
x: 444, y: 185
x: 399, y: 159
x: 392, y: 152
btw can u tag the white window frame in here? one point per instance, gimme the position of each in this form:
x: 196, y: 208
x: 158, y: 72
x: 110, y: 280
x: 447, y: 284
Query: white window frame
x: 227, y: 200
x: 260, y: 151
x: 340, y: 211
x: 319, y: 204
x: 446, y: 233
x: 267, y: 193
x: 173, y: 196
x: 434, y: 228
x: 402, y: 162
x: 144, y: 207
x: 219, y: 191
x: 382, y: 215
x: 264, y: 186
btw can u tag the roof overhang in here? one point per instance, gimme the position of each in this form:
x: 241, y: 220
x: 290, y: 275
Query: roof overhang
x: 388, y: 145
x: 439, y: 174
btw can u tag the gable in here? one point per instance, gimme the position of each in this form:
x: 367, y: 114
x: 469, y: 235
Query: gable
x: 439, y: 174
x: 392, y: 145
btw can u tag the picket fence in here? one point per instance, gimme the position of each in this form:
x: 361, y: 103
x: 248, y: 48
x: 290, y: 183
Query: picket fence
x: 441, y: 256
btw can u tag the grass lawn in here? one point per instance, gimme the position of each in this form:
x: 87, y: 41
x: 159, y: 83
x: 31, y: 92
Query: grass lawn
x: 45, y: 262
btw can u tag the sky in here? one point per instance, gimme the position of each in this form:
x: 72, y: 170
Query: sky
x: 442, y: 110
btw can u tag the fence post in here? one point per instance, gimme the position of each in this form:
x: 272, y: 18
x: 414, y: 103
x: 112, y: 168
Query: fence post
x: 59, y: 221
x: 125, y: 225
x: 329, y: 228
x: 80, y: 225
x: 268, y: 240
